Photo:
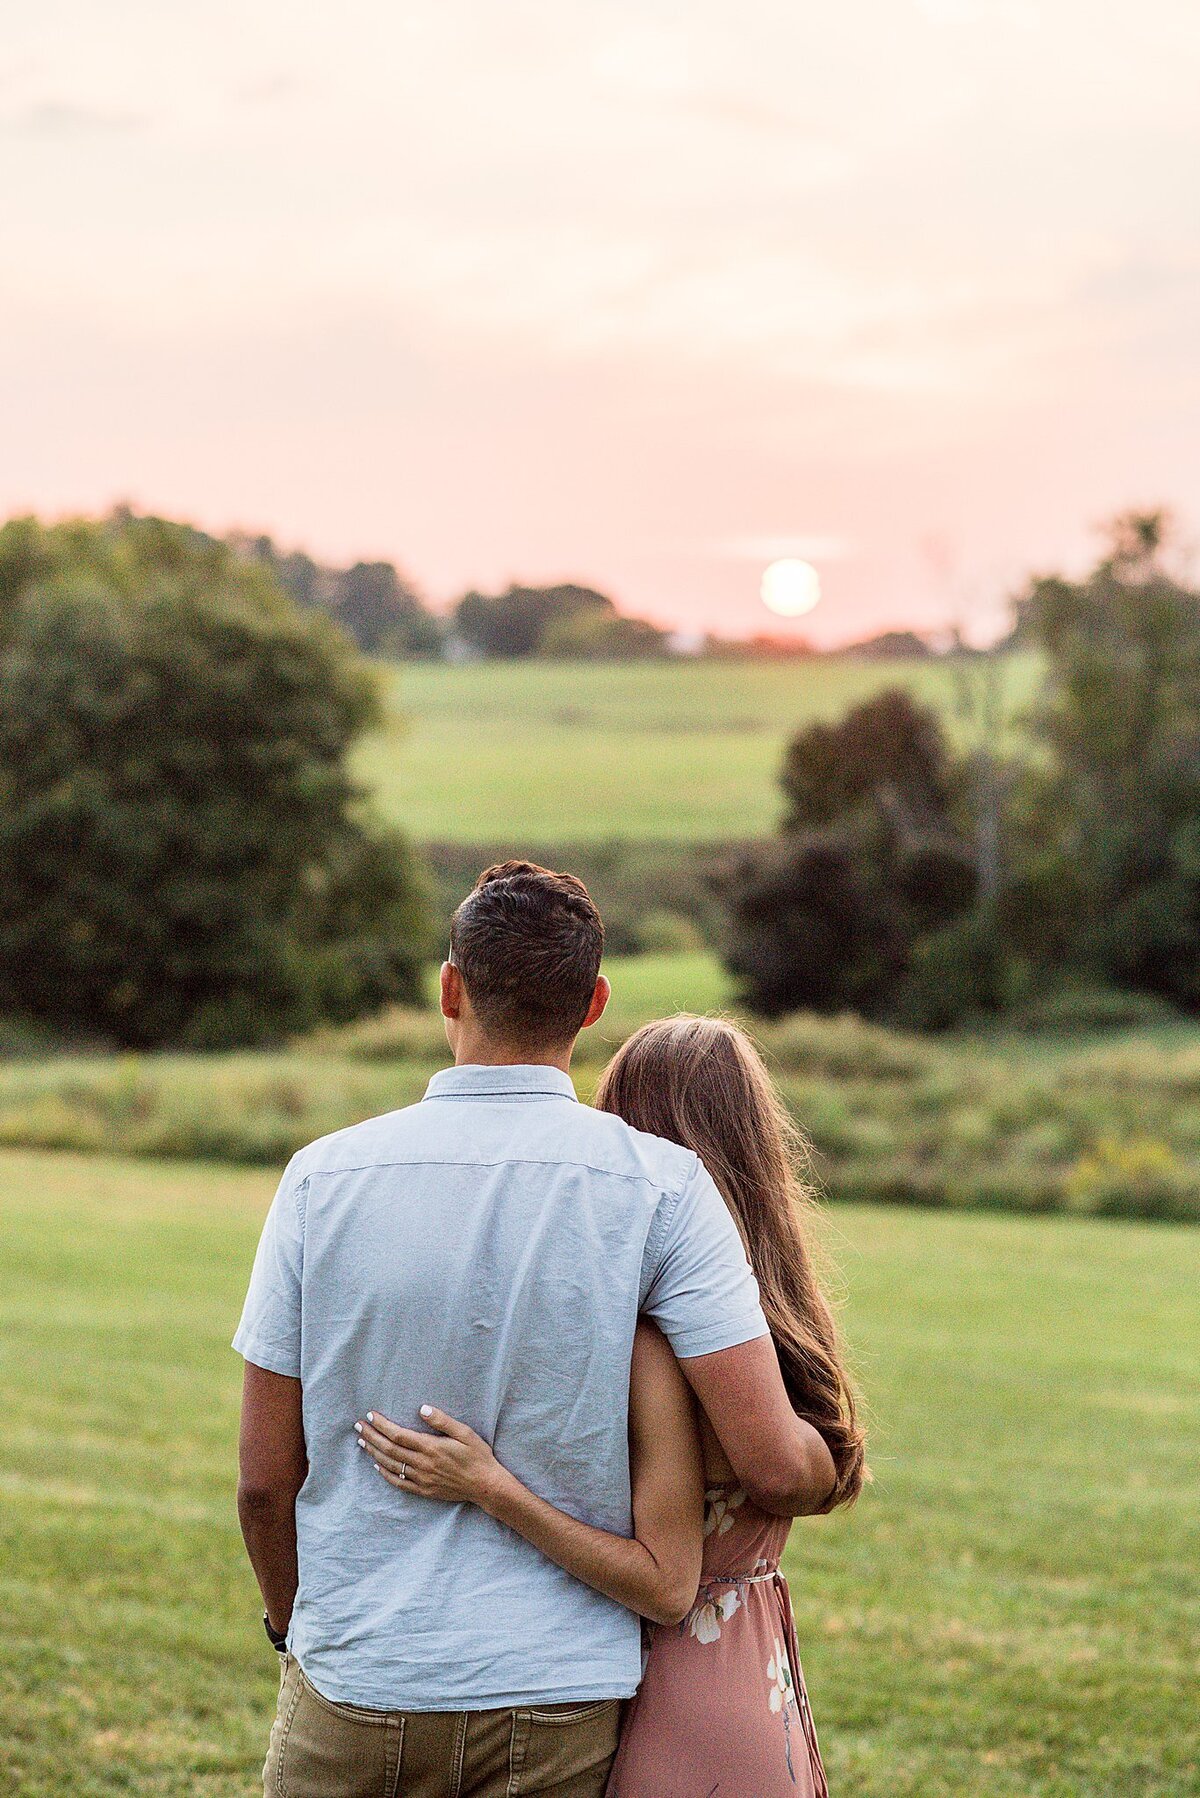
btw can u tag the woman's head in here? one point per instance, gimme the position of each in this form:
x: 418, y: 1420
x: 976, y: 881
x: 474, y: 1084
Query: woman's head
x: 701, y: 1082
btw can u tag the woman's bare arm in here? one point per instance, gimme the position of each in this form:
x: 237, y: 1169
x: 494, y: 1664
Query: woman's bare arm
x: 656, y: 1573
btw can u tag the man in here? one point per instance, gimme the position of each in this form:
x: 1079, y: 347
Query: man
x: 486, y: 1251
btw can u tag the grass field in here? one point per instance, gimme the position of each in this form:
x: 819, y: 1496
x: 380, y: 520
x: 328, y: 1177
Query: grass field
x: 555, y: 752
x: 1012, y: 1611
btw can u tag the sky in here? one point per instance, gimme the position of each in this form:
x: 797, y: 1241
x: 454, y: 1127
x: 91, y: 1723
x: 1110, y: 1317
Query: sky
x: 642, y: 295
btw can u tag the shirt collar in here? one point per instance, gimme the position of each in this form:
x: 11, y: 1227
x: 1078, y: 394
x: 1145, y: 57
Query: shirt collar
x: 520, y: 1082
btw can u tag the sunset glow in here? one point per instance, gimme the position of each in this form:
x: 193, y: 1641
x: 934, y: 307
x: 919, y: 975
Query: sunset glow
x: 602, y: 292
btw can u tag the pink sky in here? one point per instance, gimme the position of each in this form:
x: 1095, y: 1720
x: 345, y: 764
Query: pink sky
x: 642, y: 295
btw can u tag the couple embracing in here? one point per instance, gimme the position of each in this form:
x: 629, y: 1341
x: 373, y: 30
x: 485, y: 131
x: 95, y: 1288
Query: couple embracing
x: 532, y: 1392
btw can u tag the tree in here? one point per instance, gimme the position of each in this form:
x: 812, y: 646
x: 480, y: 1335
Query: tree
x: 378, y: 610
x: 594, y: 636
x: 514, y: 623
x: 183, y: 857
x: 1111, y: 876
x: 383, y: 615
x: 888, y: 755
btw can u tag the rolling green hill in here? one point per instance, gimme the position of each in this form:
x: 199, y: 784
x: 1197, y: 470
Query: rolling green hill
x: 681, y: 752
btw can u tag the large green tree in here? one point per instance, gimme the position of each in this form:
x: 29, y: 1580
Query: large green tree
x: 183, y: 856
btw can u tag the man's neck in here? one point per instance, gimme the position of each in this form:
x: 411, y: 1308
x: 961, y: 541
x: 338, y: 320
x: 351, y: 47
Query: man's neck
x: 480, y: 1052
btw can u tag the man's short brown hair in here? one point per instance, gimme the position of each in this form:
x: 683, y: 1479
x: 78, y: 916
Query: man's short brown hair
x: 528, y: 942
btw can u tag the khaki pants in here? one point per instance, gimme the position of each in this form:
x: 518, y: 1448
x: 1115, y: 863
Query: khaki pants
x: 324, y: 1750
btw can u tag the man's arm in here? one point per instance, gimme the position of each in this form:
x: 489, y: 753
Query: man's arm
x: 704, y: 1298
x: 272, y: 1465
x: 782, y: 1462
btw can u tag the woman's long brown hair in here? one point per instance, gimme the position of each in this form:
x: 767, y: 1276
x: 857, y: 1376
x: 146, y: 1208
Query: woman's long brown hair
x: 701, y: 1082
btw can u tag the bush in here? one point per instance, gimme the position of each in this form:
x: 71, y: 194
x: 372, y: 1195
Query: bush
x: 402, y: 1033
x: 861, y: 902
x: 956, y: 973
x: 844, y: 1048
x: 1078, y: 1006
x: 893, y: 1119
x: 1139, y: 1177
x: 665, y: 932
x: 813, y: 925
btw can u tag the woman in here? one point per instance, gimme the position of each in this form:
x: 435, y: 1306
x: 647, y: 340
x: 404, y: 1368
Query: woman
x: 722, y: 1705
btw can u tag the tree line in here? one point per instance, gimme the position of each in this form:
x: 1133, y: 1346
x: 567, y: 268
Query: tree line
x: 385, y: 616
x: 185, y: 858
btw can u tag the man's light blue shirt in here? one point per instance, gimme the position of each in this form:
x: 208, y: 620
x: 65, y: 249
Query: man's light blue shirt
x: 488, y: 1251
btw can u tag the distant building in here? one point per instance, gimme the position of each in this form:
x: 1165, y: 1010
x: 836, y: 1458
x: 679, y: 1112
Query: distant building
x: 686, y: 643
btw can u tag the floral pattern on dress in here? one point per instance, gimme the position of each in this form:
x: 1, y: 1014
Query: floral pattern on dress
x: 719, y: 1506
x: 708, y: 1617
x: 782, y: 1697
x: 779, y: 1672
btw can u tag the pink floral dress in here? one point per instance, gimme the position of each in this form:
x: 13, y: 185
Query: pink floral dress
x: 722, y: 1711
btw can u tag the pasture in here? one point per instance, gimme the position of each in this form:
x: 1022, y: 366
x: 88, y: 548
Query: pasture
x: 678, y: 752
x: 1011, y: 1612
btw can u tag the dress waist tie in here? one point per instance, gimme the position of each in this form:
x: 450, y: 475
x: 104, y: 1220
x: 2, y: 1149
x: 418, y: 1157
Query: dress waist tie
x: 801, y: 1690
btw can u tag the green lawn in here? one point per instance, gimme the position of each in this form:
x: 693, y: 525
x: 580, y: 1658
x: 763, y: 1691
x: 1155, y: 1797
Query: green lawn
x: 1012, y: 1611
x: 654, y: 986
x: 559, y: 752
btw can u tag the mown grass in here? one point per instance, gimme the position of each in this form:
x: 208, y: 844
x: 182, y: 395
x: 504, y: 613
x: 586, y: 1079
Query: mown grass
x: 678, y: 752
x: 1106, y: 1123
x: 1010, y: 1612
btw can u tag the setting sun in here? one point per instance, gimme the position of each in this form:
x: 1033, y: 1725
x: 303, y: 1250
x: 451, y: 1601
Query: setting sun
x: 790, y: 588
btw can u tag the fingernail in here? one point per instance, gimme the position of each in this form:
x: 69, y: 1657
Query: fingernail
x: 426, y: 1410
x: 370, y: 1417
x: 361, y: 1443
x: 358, y: 1429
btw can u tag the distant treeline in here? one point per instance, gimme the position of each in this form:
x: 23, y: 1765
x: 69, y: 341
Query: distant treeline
x: 385, y: 616
x: 382, y: 612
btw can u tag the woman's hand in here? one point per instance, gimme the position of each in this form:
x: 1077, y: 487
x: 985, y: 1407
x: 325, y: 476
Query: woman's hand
x: 447, y: 1461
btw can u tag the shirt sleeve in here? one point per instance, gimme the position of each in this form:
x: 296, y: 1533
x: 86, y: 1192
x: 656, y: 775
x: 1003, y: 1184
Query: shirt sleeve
x: 269, y: 1333
x: 702, y: 1293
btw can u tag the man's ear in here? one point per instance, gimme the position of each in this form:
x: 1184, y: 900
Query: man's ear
x: 451, y: 990
x: 600, y: 998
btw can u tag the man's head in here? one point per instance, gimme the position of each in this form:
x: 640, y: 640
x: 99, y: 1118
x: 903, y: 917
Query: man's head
x: 523, y: 978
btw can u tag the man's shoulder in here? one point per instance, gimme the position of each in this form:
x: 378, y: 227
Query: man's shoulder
x: 598, y: 1140
x: 377, y: 1139
x: 618, y: 1148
